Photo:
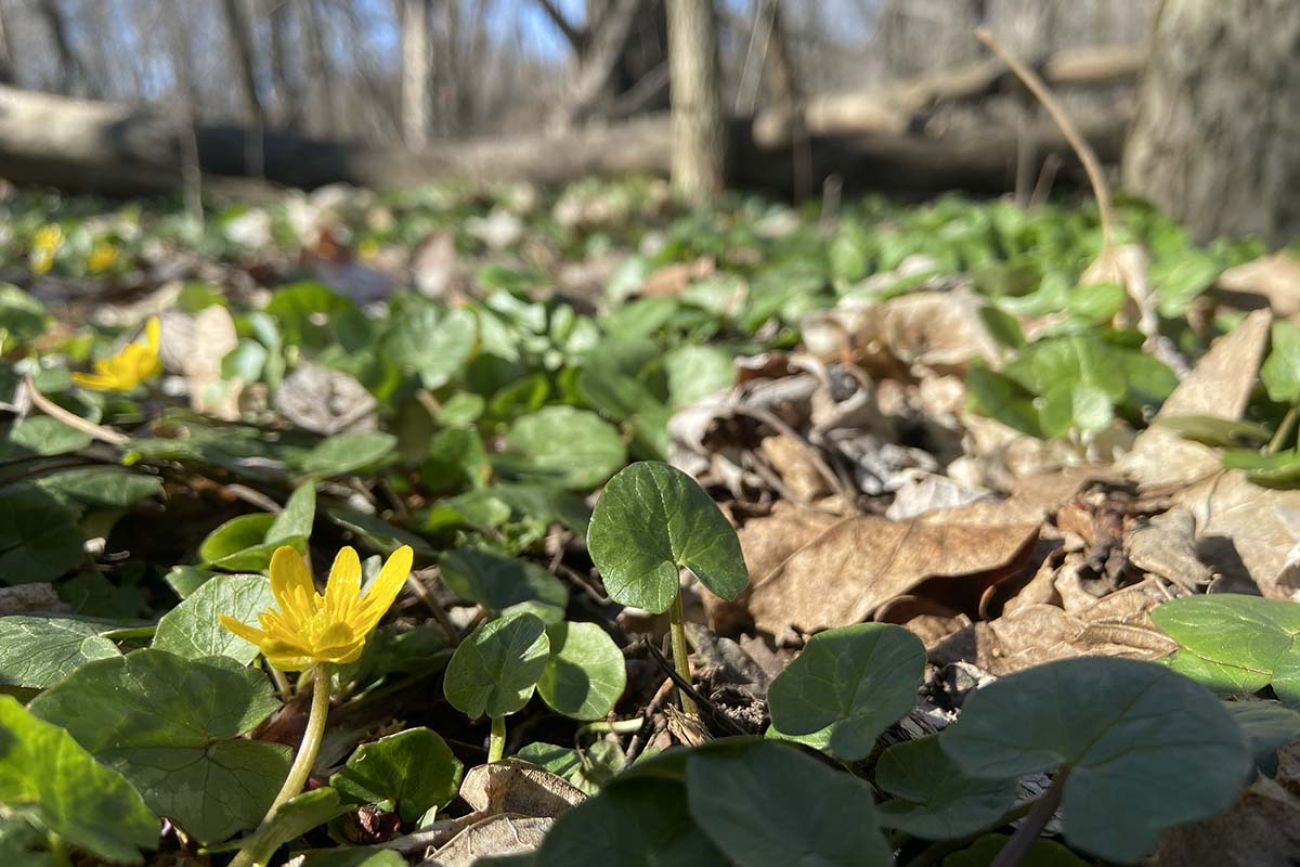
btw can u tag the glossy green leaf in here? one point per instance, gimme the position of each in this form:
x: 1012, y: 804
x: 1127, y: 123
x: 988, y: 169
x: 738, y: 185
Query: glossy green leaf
x: 1235, y: 644
x: 347, y: 452
x: 571, y: 447
x: 407, y: 773
x: 47, y: 778
x: 641, y: 824
x: 768, y: 805
x: 37, y: 651
x: 653, y: 519
x: 1216, y: 432
x: 1280, y: 372
x: 1269, y: 726
x: 44, y: 435
x: 291, y: 821
x: 238, y: 544
x: 495, y: 670
x: 1145, y: 747
x: 39, y: 538
x: 588, y: 769
x: 172, y: 727
x: 192, y: 630
x: 296, y: 520
x: 501, y: 583
x: 585, y: 674
x: 1001, y: 398
x: 103, y: 487
x: 933, y: 799
x: 435, y: 348
x: 857, y: 680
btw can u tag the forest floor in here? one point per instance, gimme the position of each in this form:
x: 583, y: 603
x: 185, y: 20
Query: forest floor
x: 1006, y: 449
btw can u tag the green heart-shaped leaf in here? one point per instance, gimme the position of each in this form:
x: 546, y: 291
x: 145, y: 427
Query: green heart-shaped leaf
x: 499, y: 583
x: 571, y: 447
x: 1280, y: 372
x: 192, y: 630
x: 768, y: 805
x: 46, y: 777
x: 1235, y: 644
x: 653, y: 519
x: 39, y: 537
x: 1269, y: 726
x: 585, y: 674
x: 934, y: 799
x: 102, y: 487
x: 495, y: 670
x: 295, y: 521
x: 645, y: 824
x: 172, y: 727
x: 857, y: 680
x: 343, y: 453
x: 1145, y: 748
x: 407, y: 773
x: 38, y: 651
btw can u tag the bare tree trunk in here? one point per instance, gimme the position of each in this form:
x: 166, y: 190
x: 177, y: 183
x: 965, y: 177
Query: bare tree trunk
x: 784, y: 93
x: 245, y: 71
x: 188, y: 97
x: 1215, y: 142
x: 699, y: 130
x: 417, y: 71
x: 322, y: 117
x: 8, y: 63
x: 72, y: 72
x: 284, y: 78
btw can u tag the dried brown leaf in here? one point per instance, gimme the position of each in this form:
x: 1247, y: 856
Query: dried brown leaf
x: 517, y: 788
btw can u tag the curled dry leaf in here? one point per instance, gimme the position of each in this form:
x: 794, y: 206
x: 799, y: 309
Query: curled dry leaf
x: 1272, y: 281
x: 1220, y: 385
x: 326, y: 401
x: 1166, y: 546
x: 517, y: 788
x: 503, y: 834
x: 812, y: 571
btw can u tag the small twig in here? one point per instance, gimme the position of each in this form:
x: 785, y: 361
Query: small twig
x: 586, y: 586
x: 819, y: 463
x: 72, y: 420
x: 1087, y: 156
x: 422, y: 593
x: 682, y: 684
x: 1284, y: 431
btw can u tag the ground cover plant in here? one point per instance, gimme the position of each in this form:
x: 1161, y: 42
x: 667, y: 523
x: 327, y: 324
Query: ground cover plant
x: 924, y: 534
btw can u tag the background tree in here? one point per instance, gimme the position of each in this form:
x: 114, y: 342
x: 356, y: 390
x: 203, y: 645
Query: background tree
x: 1218, y: 124
x: 417, y: 71
x: 699, y: 131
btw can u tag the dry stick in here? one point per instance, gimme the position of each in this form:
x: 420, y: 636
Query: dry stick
x: 72, y: 420
x: 1087, y: 156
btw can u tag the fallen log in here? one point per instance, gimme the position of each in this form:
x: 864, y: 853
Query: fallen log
x: 899, y: 107
x: 79, y: 145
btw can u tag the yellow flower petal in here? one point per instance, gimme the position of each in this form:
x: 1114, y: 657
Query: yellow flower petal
x: 153, y: 335
x: 243, y: 630
x: 96, y: 381
x: 344, y: 585
x: 292, y: 585
x: 381, y: 593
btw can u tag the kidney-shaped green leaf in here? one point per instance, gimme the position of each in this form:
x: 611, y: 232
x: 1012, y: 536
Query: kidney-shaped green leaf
x: 766, y: 804
x: 1145, y: 747
x: 46, y: 777
x: 292, y: 820
x: 585, y: 674
x: 499, y: 583
x: 932, y: 797
x: 572, y: 447
x: 652, y: 519
x: 495, y: 670
x: 406, y: 773
x: 1235, y: 644
x: 171, y: 726
x: 636, y: 824
x: 37, y: 651
x: 858, y: 680
x: 192, y: 630
x: 1269, y: 726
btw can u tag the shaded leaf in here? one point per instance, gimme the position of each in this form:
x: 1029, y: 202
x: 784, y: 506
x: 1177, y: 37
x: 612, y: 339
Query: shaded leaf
x: 38, y: 651
x: 495, y: 669
x: 585, y: 673
x: 934, y: 799
x: 407, y: 773
x: 500, y: 583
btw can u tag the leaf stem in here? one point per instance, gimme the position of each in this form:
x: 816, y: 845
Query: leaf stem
x: 58, y: 850
x: 681, y: 658
x: 1284, y: 430
x: 281, y: 682
x: 497, y: 740
x: 1017, y: 849
x: 312, y: 738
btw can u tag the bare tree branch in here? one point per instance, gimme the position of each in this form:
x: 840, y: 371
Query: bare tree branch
x: 576, y: 36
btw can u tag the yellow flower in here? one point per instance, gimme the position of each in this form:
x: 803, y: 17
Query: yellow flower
x: 309, y: 628
x: 102, y: 257
x: 136, y: 363
x: 47, y: 238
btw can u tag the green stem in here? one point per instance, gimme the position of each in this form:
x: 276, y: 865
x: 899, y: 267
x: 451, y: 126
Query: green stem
x: 681, y: 657
x: 281, y: 683
x: 497, y: 741
x: 58, y: 850
x: 307, y: 752
x: 1021, y: 842
x: 1284, y: 430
